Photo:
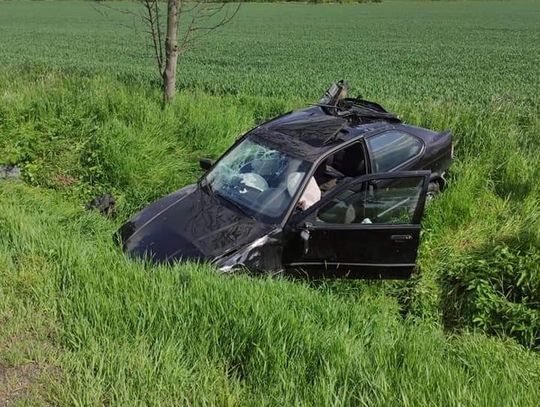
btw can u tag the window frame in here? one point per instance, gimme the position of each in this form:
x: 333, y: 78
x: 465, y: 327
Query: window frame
x: 400, y: 165
x: 310, y: 214
x: 291, y: 215
x: 364, y: 197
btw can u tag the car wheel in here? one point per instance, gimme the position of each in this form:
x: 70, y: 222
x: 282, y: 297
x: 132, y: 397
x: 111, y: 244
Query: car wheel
x: 434, y: 189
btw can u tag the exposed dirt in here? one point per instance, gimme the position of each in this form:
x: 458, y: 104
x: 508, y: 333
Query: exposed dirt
x: 15, y: 382
x: 22, y: 374
x: 65, y: 180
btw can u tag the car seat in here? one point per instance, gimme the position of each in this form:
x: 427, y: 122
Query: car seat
x: 339, y: 213
x: 350, y: 161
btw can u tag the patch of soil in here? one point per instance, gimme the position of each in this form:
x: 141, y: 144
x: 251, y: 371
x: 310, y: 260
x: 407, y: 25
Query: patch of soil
x: 64, y: 180
x: 15, y: 382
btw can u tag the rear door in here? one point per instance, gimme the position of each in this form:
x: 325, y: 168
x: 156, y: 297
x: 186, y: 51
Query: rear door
x: 367, y: 228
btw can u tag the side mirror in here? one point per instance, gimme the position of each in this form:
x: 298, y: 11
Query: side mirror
x: 206, y: 163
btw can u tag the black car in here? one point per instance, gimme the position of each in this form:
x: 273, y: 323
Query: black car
x: 335, y: 189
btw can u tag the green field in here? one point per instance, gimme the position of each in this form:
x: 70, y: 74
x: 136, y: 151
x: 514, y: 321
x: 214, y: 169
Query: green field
x: 408, y: 51
x: 80, y: 113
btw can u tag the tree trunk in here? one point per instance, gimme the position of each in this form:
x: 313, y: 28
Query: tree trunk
x: 171, y: 51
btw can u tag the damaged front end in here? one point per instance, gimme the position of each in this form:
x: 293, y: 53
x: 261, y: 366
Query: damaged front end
x: 262, y: 254
x: 190, y: 224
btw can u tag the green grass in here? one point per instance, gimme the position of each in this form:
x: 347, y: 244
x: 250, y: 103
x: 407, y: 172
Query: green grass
x: 80, y: 113
x: 465, y: 52
x: 134, y: 334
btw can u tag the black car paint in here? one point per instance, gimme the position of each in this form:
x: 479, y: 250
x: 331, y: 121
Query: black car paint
x: 354, y: 250
x: 193, y: 224
x: 189, y: 224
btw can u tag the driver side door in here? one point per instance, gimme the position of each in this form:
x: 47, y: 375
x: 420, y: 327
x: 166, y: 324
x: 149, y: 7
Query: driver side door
x: 366, y: 228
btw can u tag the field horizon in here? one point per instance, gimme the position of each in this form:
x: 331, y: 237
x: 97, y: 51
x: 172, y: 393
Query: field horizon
x: 81, y: 115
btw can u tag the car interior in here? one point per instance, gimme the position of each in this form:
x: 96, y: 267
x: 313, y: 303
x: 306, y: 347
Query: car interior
x: 365, y: 203
x: 346, y: 163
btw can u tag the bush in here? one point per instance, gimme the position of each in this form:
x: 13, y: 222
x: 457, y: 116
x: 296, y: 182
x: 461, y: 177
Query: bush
x: 496, y: 289
x: 86, y: 136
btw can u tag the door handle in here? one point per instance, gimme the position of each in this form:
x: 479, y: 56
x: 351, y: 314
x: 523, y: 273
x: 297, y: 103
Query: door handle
x: 401, y: 238
x: 304, y: 235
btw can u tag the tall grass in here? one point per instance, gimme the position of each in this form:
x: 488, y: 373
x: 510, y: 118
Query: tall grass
x: 105, y: 330
x: 84, y: 136
x: 131, y: 333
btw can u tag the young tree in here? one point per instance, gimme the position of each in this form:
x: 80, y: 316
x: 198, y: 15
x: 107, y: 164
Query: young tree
x: 171, y: 50
x: 186, y: 23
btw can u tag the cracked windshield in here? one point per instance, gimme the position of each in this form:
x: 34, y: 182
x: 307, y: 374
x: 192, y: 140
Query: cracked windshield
x: 259, y: 179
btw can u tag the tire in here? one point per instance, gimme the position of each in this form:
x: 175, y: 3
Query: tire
x: 434, y: 189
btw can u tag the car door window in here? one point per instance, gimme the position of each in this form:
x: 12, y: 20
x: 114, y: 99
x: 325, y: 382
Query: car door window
x: 389, y: 201
x: 392, y: 148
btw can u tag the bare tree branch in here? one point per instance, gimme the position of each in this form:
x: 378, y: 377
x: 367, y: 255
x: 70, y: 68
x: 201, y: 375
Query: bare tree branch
x: 116, y: 9
x: 193, y: 19
x: 160, y: 39
x: 151, y: 19
x: 195, y: 32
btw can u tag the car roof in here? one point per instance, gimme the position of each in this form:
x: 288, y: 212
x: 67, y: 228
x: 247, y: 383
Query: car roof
x: 311, y: 132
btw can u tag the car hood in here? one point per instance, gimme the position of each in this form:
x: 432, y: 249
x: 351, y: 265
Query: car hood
x: 188, y: 224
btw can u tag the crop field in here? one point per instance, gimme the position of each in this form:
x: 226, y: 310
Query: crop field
x: 81, y: 114
x: 468, y: 52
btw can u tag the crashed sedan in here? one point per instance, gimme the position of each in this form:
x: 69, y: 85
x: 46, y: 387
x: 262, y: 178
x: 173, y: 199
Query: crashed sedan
x: 336, y: 189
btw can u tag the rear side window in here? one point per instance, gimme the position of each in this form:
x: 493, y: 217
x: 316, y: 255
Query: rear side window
x: 392, y: 148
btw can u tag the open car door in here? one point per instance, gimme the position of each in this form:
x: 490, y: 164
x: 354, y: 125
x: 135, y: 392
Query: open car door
x: 368, y: 227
